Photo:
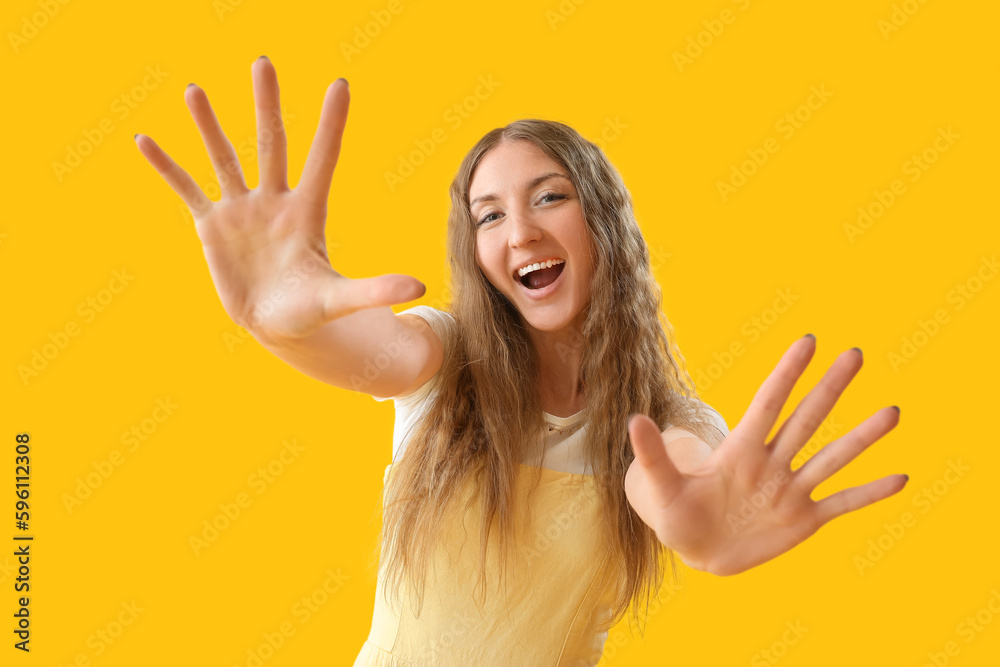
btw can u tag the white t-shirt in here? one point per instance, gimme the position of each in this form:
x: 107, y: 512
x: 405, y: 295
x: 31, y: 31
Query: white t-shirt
x: 564, y: 443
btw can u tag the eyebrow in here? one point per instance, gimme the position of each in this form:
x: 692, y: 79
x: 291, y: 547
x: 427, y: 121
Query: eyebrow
x: 532, y: 183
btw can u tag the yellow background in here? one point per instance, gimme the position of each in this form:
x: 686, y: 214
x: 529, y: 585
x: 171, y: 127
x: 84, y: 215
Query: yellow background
x: 594, y: 65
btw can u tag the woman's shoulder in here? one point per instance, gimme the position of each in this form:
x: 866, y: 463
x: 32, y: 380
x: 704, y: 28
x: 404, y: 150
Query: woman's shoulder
x: 441, y: 321
x: 703, y: 412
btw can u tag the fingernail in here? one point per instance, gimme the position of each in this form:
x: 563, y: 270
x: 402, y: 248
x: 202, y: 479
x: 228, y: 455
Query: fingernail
x: 859, y: 351
x: 907, y: 477
x: 896, y: 408
x: 263, y: 58
x: 135, y: 136
x: 344, y: 80
x: 190, y: 84
x: 814, y: 337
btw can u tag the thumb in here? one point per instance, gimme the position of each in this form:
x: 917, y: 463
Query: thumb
x: 651, y: 453
x: 343, y: 296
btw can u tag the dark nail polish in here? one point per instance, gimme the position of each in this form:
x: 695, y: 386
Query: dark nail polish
x: 344, y: 80
x: 907, y: 477
x: 135, y: 136
x: 263, y: 58
x: 896, y: 408
x: 813, y: 337
x: 859, y: 351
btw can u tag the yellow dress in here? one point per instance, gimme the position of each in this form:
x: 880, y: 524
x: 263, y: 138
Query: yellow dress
x: 555, y: 610
x: 557, y: 606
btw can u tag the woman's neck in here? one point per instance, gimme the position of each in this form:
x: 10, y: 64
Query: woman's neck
x: 559, y: 388
x: 562, y: 409
x: 560, y: 355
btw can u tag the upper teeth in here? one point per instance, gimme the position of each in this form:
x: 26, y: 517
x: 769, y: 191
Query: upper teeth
x: 538, y: 265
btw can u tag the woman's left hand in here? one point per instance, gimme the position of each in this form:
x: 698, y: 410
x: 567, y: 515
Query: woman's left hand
x: 743, y: 505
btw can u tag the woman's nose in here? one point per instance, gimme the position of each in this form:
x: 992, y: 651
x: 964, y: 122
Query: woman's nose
x: 523, y: 229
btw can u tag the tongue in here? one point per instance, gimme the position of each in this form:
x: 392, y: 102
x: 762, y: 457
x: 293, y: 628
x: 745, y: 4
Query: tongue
x: 544, y: 277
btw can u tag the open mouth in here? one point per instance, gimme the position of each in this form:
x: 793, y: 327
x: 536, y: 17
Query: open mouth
x: 543, y: 277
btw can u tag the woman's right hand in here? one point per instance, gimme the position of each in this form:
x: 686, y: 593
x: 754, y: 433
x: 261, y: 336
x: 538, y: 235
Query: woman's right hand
x: 266, y: 248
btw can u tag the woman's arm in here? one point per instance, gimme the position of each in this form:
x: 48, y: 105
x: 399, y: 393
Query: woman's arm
x: 372, y: 350
x: 266, y: 252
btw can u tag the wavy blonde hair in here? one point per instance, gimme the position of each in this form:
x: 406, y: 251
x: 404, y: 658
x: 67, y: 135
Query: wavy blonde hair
x: 484, y: 416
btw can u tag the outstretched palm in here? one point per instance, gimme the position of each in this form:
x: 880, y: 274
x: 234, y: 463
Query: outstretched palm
x: 266, y: 248
x: 743, y: 505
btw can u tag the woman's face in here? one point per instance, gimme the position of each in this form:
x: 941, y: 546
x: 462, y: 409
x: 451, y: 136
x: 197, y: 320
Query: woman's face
x: 526, y: 210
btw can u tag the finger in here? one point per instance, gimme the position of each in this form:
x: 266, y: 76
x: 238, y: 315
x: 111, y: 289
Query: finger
x: 810, y: 413
x: 843, y: 450
x: 325, y: 149
x: 220, y: 150
x: 770, y: 398
x: 651, y: 453
x: 272, y: 145
x: 342, y: 297
x: 178, y: 179
x: 857, y: 497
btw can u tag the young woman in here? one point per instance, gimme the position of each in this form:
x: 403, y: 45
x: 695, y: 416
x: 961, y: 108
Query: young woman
x: 550, y: 452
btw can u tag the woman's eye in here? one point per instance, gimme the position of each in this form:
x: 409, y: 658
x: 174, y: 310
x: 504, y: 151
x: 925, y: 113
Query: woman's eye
x: 555, y: 195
